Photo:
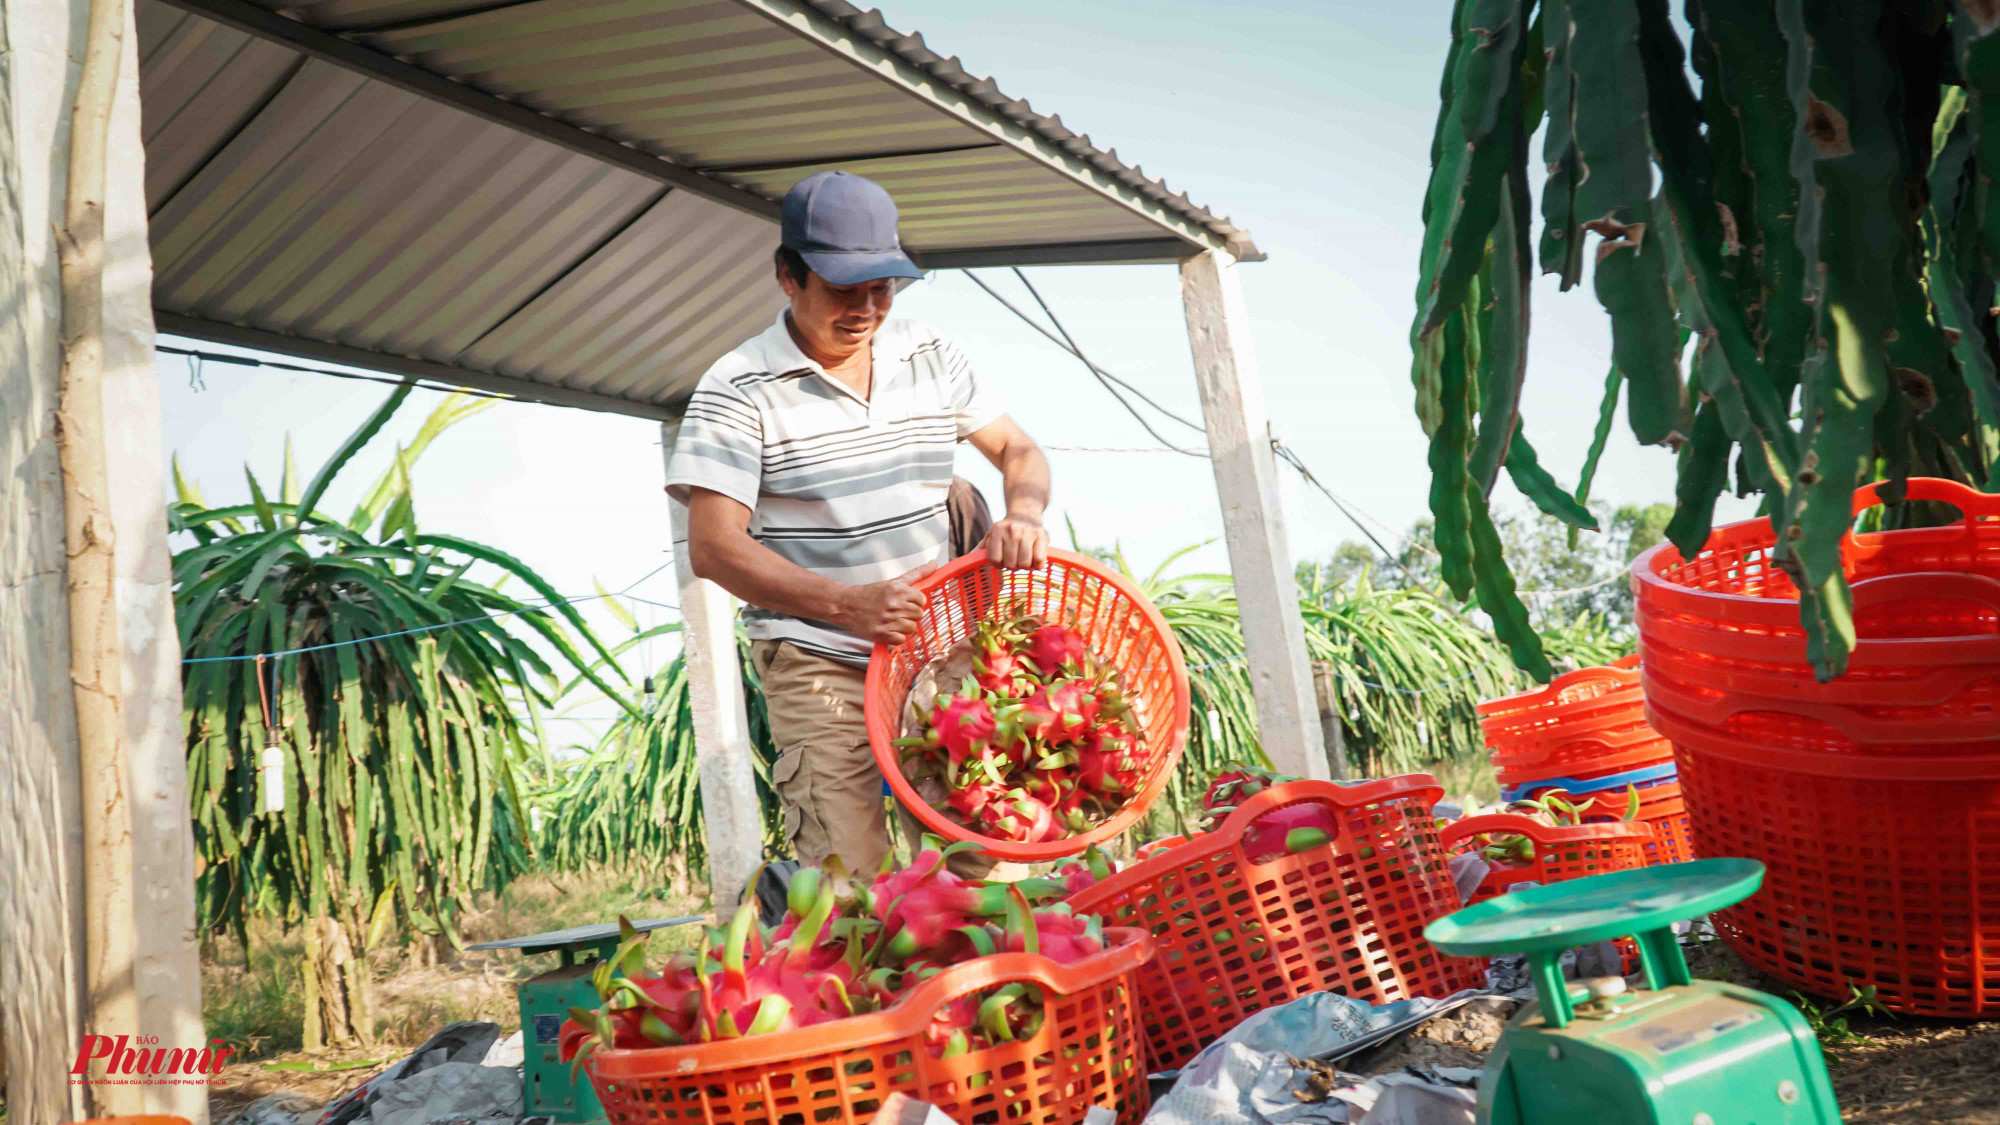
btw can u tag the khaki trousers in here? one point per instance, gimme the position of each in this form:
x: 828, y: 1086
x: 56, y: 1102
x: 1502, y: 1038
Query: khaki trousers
x: 826, y: 774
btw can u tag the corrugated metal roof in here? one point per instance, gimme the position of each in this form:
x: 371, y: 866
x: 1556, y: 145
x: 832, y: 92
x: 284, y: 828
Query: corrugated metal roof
x: 299, y: 199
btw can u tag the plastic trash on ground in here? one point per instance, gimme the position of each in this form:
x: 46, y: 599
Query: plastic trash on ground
x: 469, y: 1043
x: 1247, y: 1075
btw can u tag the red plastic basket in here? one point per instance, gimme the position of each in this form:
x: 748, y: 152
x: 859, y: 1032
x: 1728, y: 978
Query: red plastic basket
x: 1118, y: 624
x: 1592, y: 756
x: 1236, y: 937
x: 1874, y: 800
x: 1661, y: 806
x: 1565, y: 852
x: 1088, y: 1052
x: 1879, y: 881
x: 1154, y: 847
x: 1586, y: 723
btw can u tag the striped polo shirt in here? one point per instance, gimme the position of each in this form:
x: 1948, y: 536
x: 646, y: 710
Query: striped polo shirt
x: 846, y: 487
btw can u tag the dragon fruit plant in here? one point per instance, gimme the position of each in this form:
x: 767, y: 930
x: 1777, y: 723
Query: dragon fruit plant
x: 844, y: 947
x: 1036, y: 744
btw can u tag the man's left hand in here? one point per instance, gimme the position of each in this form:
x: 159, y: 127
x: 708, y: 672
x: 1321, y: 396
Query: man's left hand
x: 1017, y: 543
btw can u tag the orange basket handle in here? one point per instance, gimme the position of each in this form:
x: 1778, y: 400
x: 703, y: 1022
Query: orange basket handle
x: 1927, y: 585
x: 1325, y: 792
x: 1514, y: 824
x: 1508, y: 824
x: 1966, y: 499
x: 1620, y: 673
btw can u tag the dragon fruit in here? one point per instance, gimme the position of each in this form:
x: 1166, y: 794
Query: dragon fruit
x: 960, y: 724
x: 842, y: 948
x: 996, y: 662
x: 951, y: 1028
x: 1035, y: 744
x: 1289, y: 831
x: 919, y: 905
x: 1237, y: 783
x: 1085, y: 872
x: 1061, y: 936
x: 1107, y: 761
x: 1054, y: 649
x: 1019, y: 817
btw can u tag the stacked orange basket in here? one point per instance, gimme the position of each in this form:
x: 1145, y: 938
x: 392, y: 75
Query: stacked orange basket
x: 1237, y: 936
x: 1873, y: 801
x: 1585, y: 735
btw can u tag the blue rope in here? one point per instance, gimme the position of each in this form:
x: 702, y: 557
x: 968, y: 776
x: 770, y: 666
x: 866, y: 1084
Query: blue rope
x: 432, y: 628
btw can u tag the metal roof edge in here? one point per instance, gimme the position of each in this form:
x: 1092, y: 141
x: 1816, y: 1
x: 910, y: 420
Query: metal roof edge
x: 866, y: 39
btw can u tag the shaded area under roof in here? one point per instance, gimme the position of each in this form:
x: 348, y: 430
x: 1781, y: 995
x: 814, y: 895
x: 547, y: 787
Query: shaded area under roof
x: 573, y: 201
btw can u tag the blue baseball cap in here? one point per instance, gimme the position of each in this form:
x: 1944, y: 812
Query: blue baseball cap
x: 844, y: 227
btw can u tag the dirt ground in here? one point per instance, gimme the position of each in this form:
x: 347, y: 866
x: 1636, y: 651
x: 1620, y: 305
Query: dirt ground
x: 1888, y: 1072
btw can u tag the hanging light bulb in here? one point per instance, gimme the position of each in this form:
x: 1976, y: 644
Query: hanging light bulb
x: 271, y: 779
x: 646, y: 695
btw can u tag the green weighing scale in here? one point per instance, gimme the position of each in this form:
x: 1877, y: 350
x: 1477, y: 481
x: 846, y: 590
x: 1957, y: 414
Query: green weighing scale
x: 546, y: 1088
x: 1678, y: 1051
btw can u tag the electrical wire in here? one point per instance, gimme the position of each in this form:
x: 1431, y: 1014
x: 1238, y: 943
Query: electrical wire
x: 1439, y: 686
x: 196, y: 358
x: 1284, y: 453
x: 429, y: 628
x: 1077, y: 351
x: 1096, y: 371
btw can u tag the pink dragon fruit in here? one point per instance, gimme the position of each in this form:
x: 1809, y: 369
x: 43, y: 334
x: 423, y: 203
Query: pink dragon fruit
x: 1289, y: 831
x: 1055, y: 649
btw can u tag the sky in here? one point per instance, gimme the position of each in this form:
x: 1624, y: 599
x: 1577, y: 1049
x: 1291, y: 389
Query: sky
x: 1306, y: 123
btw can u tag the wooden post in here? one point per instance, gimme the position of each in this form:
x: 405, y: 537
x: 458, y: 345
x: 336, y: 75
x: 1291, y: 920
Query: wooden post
x: 147, y: 849
x: 1253, y: 525
x: 1328, y: 698
x: 723, y: 752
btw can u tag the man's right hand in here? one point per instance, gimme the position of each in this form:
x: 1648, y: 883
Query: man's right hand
x: 885, y: 612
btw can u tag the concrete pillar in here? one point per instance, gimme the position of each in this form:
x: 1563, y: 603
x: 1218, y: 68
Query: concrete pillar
x: 723, y: 751
x: 1253, y: 522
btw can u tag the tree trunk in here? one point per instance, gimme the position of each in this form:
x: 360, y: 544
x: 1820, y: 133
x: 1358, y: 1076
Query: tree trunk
x: 96, y: 651
x: 336, y: 988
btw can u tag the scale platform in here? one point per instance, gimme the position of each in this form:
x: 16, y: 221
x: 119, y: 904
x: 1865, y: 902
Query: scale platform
x: 1675, y: 1052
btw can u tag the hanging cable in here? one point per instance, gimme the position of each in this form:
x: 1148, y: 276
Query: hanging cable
x: 196, y: 358
x: 424, y: 628
x: 1285, y: 454
x: 1094, y: 370
x: 1077, y: 351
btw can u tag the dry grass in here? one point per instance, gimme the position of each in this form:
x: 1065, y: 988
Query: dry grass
x: 1467, y: 779
x: 259, y: 1009
x: 419, y: 986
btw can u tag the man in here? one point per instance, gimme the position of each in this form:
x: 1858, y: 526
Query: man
x: 815, y: 461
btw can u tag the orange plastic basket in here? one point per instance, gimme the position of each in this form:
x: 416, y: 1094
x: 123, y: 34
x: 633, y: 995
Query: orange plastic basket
x: 1873, y: 801
x: 1154, y: 847
x: 1088, y: 1052
x: 1236, y: 937
x: 1880, y: 881
x: 1118, y: 624
x: 1582, y: 724
x: 1661, y: 807
x: 1566, y: 852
